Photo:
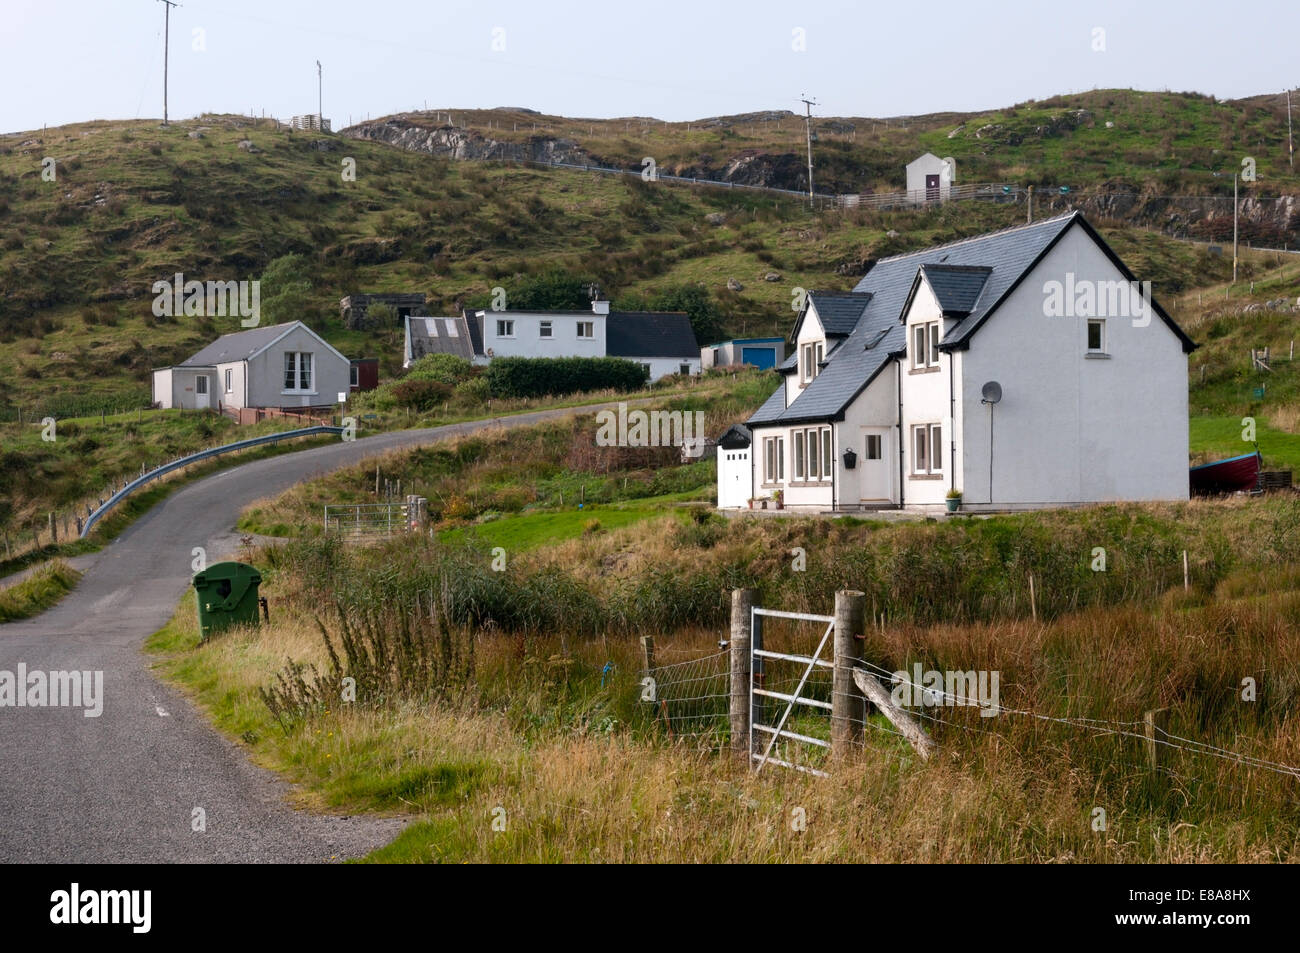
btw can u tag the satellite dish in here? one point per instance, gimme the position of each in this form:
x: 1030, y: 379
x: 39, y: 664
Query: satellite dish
x: 991, y: 393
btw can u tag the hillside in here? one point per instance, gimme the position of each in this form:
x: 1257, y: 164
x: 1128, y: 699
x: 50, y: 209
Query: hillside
x: 222, y: 197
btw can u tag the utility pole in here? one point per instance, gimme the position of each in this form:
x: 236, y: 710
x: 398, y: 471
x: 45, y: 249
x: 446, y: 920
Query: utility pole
x: 167, y: 26
x: 1234, y: 228
x: 320, y: 98
x: 1290, y: 145
x: 808, y: 105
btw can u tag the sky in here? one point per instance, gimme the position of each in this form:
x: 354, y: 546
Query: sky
x: 64, y: 61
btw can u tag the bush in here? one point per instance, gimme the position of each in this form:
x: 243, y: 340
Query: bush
x: 420, y: 394
x: 445, y: 368
x: 556, y: 376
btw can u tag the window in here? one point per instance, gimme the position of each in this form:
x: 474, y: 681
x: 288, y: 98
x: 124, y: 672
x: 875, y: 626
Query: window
x: 774, y: 460
x: 925, y: 345
x: 544, y: 329
x: 646, y: 369
x: 684, y: 369
x: 230, y: 384
x: 354, y: 380
x: 1096, y: 336
x: 586, y: 330
x: 873, y: 449
x: 812, y: 454
x: 813, y: 353
x: 201, y: 384
x: 505, y: 327
x: 297, y: 371
x: 927, y: 449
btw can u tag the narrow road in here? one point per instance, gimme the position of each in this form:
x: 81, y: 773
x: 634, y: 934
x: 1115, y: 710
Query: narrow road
x: 125, y: 786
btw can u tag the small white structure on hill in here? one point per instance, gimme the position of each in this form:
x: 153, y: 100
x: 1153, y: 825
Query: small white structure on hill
x: 929, y: 178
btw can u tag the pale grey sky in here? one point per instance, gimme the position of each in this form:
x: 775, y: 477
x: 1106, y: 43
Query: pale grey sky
x: 67, y: 61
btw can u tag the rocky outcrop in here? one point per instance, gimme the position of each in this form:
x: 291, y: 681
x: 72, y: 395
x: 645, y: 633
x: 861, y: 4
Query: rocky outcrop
x: 418, y: 134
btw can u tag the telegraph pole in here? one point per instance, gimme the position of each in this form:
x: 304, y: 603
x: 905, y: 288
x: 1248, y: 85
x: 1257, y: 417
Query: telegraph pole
x: 1290, y: 145
x: 320, y: 99
x: 808, y: 105
x: 167, y: 25
x: 1234, y: 228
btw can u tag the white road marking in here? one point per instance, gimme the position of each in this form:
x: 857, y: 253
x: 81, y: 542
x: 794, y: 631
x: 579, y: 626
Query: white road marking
x: 162, y: 712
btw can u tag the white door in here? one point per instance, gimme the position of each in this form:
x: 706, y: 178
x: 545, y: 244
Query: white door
x: 201, y: 392
x: 874, y: 458
x: 735, y: 478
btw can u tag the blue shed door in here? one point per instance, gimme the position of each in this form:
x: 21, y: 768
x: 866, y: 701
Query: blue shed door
x: 761, y: 357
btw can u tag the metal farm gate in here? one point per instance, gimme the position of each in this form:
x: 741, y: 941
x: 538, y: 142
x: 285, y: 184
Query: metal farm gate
x: 803, y: 694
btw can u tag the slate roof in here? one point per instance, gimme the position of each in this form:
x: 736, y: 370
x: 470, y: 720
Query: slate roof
x: 435, y: 335
x: 475, y: 324
x: 1005, y: 256
x: 839, y: 311
x: 650, y: 334
x: 237, y: 346
x: 957, y: 287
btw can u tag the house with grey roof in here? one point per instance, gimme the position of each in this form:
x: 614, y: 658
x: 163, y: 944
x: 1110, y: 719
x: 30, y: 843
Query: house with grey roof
x: 1024, y: 368
x: 438, y: 335
x: 283, y: 366
x: 662, y: 342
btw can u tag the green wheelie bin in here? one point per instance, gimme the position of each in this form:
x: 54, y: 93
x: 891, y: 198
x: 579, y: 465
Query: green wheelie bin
x: 226, y: 595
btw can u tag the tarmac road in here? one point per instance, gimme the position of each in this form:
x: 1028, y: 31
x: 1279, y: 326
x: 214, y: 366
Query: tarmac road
x: 124, y: 786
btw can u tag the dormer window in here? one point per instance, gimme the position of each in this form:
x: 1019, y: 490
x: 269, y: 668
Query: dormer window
x: 925, y: 345
x: 813, y: 354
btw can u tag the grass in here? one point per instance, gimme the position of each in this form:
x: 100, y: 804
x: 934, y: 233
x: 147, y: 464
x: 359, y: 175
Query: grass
x: 1214, y: 438
x: 529, y: 531
x: 547, y: 738
x: 38, y: 592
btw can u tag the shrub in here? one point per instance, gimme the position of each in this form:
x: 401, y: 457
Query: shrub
x: 445, y: 368
x: 420, y: 394
x: 555, y: 376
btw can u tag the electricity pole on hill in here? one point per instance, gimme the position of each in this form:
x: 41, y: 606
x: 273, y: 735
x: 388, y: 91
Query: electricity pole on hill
x: 808, y: 105
x: 167, y: 25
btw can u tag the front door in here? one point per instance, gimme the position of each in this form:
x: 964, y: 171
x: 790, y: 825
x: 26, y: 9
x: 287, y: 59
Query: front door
x: 932, y: 188
x: 201, y: 392
x: 875, y: 474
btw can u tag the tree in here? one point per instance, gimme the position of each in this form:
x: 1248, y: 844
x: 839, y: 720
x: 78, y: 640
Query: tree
x: 286, y: 290
x: 695, y: 300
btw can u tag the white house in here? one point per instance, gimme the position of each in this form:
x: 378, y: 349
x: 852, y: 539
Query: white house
x: 762, y: 353
x: 662, y: 342
x: 890, y: 399
x: 929, y: 178
x: 287, y: 366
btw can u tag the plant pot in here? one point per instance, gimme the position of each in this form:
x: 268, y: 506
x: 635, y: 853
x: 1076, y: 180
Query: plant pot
x: 762, y: 504
x: 780, y: 504
x: 751, y: 504
x: 954, y: 504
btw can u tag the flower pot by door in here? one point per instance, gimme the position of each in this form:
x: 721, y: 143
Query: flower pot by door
x: 954, y: 504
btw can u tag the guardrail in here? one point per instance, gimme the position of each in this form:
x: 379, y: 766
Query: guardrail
x: 195, y: 458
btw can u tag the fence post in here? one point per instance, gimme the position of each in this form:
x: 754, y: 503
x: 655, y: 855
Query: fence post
x: 648, y: 654
x: 742, y: 604
x: 848, y: 712
x: 1158, y: 719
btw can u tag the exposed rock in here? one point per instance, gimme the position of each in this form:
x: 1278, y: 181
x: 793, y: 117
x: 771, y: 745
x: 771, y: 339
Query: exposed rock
x: 891, y: 234
x: 734, y: 285
x: 196, y: 134
x: 247, y: 145
x: 771, y: 276
x: 716, y: 218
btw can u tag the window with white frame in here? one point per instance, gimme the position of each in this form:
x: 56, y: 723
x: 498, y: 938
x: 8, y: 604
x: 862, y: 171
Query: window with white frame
x: 544, y: 329
x: 505, y: 327
x: 873, y: 448
x: 774, y: 460
x: 586, y: 330
x: 230, y: 383
x: 297, y: 371
x: 925, y: 345
x: 201, y: 384
x: 354, y: 377
x: 813, y: 456
x: 927, y: 449
x: 1096, y: 335
x: 813, y: 354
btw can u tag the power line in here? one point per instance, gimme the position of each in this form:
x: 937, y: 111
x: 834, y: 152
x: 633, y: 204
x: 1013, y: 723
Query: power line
x: 808, y: 105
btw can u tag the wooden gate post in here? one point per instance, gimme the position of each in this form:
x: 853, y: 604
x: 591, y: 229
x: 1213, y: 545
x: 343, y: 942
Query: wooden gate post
x: 848, y: 713
x: 742, y: 604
